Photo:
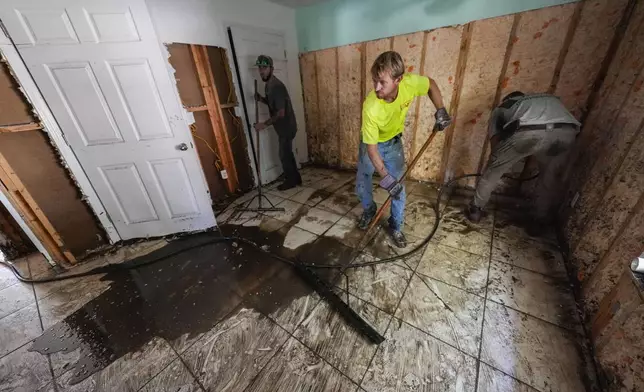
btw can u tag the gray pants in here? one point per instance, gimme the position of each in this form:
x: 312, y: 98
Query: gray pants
x: 548, y: 146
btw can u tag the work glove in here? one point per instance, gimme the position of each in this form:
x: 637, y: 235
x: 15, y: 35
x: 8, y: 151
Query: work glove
x: 443, y: 120
x: 391, y: 185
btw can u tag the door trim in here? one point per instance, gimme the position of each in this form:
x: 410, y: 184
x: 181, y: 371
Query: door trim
x: 51, y: 127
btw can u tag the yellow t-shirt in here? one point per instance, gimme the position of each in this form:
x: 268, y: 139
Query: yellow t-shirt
x: 381, y: 121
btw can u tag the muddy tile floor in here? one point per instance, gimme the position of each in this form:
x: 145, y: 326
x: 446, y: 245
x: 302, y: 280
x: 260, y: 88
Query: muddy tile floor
x: 480, y: 308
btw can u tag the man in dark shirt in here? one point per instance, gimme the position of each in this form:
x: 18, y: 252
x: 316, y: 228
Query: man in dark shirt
x: 282, y: 119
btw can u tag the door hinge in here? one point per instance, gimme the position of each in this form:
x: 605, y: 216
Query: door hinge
x: 285, y: 56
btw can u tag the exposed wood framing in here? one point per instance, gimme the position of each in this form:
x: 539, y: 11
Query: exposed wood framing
x: 421, y: 71
x: 20, y: 127
x: 338, y: 138
x: 31, y: 213
x: 192, y: 109
x: 466, y: 38
x: 612, y: 51
x: 499, y: 88
x: 207, y: 81
x: 201, y: 108
x: 572, y: 28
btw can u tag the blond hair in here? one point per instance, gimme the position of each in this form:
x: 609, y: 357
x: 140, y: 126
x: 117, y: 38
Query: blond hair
x: 390, y: 62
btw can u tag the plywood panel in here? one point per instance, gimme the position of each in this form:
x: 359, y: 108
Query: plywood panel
x: 441, y: 60
x: 616, y: 206
x: 350, y: 105
x: 310, y: 92
x: 539, y: 39
x: 587, y: 51
x: 14, y: 109
x: 34, y: 161
x: 621, y: 134
x: 613, y: 94
x: 410, y: 47
x: 627, y: 247
x: 327, y: 78
x: 185, y: 73
x: 373, y: 49
x: 484, y: 64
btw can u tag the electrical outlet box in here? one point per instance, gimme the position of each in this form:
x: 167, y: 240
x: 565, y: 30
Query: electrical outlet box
x: 574, y: 200
x: 224, y: 174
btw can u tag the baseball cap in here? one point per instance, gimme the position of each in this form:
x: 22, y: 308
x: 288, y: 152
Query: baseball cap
x: 264, y: 61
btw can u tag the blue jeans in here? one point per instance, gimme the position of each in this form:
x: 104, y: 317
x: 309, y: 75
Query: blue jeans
x: 393, y: 156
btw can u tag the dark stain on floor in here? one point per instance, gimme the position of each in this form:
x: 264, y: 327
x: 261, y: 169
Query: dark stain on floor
x: 196, y: 285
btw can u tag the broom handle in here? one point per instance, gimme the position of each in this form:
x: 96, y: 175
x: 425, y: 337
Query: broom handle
x: 259, y: 147
x: 409, y: 168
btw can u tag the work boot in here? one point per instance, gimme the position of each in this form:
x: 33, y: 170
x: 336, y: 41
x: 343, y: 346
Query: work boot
x: 367, y: 217
x: 299, y: 179
x: 286, y: 185
x: 399, y: 238
x: 473, y: 213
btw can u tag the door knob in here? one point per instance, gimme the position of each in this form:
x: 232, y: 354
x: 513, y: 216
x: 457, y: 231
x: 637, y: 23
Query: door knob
x: 182, y: 147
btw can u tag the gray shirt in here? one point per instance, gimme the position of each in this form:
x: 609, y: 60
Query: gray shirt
x: 535, y: 109
x: 278, y: 99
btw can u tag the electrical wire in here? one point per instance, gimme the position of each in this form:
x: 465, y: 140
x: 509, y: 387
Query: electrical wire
x: 222, y: 239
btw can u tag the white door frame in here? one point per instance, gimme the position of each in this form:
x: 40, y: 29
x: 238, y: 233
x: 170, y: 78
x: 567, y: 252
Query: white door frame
x: 51, y: 127
x: 239, y: 110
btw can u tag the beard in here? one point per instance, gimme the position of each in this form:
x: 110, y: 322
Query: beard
x: 267, y: 77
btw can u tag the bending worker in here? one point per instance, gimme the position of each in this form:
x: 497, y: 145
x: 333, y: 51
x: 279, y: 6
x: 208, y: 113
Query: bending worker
x: 381, y: 148
x: 524, y: 125
x: 282, y: 119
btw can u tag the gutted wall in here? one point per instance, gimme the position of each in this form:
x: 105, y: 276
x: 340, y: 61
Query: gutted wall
x: 558, y: 49
x: 192, y: 96
x: 204, y: 22
x: 36, y: 164
x: 604, y: 230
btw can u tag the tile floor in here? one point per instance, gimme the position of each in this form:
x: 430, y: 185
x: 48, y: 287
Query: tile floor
x: 480, y: 308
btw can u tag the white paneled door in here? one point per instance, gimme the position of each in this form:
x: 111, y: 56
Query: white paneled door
x: 101, y: 70
x: 250, y: 43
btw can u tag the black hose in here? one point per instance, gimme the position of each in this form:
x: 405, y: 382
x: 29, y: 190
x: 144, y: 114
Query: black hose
x: 122, y: 267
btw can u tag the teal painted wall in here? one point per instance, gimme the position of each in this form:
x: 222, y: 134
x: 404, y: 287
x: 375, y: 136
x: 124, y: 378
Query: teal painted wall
x: 341, y: 22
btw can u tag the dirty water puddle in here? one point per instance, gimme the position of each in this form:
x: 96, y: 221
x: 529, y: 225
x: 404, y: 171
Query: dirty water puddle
x: 195, y: 287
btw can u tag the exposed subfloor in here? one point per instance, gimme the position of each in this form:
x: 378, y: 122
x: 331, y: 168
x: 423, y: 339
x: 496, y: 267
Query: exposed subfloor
x: 481, y: 308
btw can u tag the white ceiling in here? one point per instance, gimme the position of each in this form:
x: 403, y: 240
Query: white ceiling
x: 296, y: 3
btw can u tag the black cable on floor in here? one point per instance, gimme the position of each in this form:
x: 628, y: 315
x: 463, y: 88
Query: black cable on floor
x: 222, y: 239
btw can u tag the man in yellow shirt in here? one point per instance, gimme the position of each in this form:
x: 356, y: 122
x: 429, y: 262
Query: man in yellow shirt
x: 381, y: 148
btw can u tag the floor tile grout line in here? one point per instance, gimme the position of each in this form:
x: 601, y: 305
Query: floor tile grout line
x: 437, y: 338
x: 489, y: 266
x: 17, y: 310
x: 535, y: 317
x: 391, y: 318
x: 14, y: 350
x: 527, y: 269
x: 509, y: 375
x: 162, y: 369
x: 42, y: 330
x: 289, y: 336
x: 181, y: 359
x: 51, y: 371
x: 321, y: 357
x: 468, y: 291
